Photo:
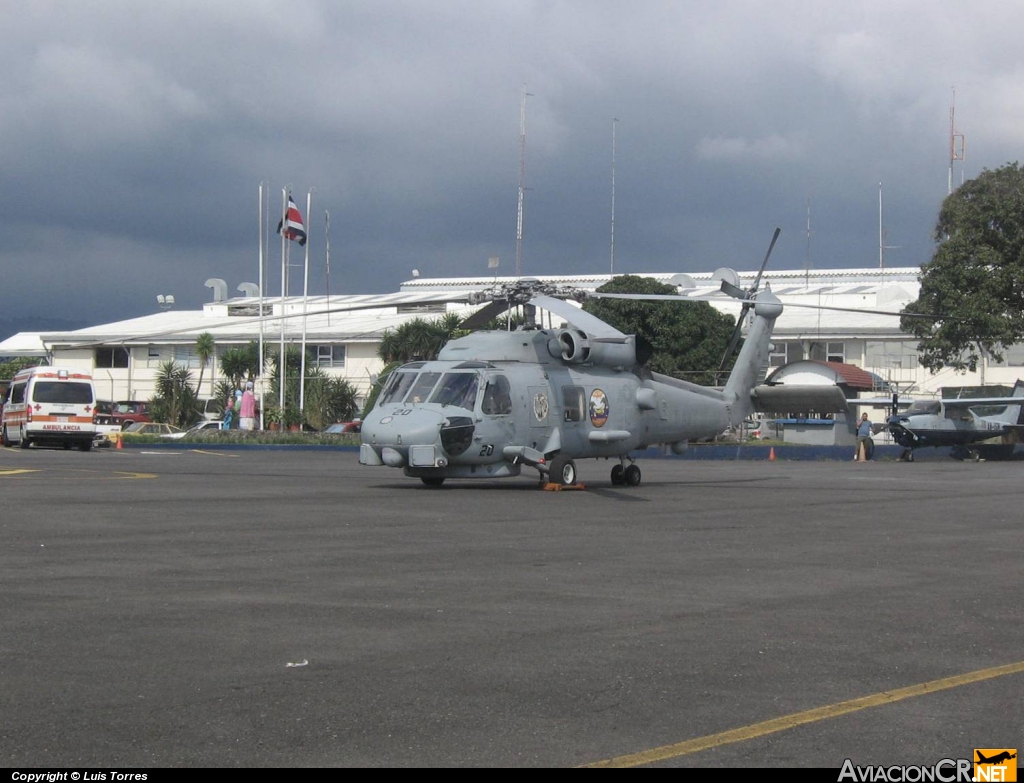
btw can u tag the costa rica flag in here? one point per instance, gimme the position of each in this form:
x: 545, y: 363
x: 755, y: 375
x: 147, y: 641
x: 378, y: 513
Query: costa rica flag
x: 291, y: 226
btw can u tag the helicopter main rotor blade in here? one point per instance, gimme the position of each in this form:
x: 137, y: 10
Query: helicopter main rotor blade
x: 578, y: 317
x: 485, y: 314
x: 719, y: 299
x: 371, y: 303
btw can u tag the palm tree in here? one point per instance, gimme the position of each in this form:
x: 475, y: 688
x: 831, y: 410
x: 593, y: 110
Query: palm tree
x: 175, y: 399
x: 241, y: 363
x: 205, y: 348
x: 418, y: 339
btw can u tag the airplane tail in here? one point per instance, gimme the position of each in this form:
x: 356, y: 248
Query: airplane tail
x: 1011, y: 414
x: 752, y: 357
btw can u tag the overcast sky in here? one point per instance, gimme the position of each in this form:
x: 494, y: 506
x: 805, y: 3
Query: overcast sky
x: 134, y: 136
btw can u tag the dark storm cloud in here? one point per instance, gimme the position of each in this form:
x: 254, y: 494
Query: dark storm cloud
x: 133, y: 136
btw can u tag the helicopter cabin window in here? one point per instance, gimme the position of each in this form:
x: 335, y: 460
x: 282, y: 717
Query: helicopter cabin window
x: 398, y: 386
x: 423, y: 386
x: 497, y: 397
x: 572, y: 403
x: 458, y: 389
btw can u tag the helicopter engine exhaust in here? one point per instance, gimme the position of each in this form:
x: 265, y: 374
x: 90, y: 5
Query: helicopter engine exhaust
x: 573, y: 346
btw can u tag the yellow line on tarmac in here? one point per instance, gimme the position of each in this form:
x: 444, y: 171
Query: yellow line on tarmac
x: 800, y: 718
x: 16, y: 471
x: 212, y: 453
x: 129, y: 475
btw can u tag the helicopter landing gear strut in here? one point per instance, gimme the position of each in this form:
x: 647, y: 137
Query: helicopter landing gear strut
x: 628, y: 475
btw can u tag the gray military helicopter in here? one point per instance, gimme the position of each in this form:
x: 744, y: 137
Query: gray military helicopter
x: 957, y: 423
x: 494, y: 401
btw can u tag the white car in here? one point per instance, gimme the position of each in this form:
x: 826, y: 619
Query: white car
x: 203, y: 426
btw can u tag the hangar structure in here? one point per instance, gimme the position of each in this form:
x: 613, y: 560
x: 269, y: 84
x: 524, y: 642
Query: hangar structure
x: 125, y: 356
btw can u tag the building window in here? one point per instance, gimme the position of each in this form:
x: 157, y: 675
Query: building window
x: 1012, y: 356
x: 777, y: 355
x: 891, y: 354
x: 330, y: 356
x: 185, y: 356
x: 107, y: 358
x: 835, y: 352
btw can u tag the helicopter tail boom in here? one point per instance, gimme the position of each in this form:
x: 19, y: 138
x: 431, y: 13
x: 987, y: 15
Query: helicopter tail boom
x: 753, y: 357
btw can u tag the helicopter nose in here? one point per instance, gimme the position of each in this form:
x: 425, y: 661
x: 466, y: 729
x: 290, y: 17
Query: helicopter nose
x: 417, y: 437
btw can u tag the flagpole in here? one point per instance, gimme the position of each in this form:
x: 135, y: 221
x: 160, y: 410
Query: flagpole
x: 327, y: 238
x: 305, y: 307
x: 282, y: 365
x: 259, y: 367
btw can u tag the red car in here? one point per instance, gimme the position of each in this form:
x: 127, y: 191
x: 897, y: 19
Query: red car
x: 130, y: 411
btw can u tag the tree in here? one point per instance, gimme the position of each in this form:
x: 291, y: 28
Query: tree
x: 205, y: 348
x: 241, y: 363
x: 327, y: 399
x: 686, y: 339
x: 974, y: 282
x: 418, y: 339
x: 11, y: 367
x: 175, y: 401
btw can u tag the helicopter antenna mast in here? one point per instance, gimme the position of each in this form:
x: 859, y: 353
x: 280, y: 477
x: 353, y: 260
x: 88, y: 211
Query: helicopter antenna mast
x: 522, y: 182
x: 612, y: 267
x: 957, y: 144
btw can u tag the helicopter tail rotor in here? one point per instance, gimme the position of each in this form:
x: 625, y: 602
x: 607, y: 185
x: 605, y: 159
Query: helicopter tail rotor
x: 747, y: 296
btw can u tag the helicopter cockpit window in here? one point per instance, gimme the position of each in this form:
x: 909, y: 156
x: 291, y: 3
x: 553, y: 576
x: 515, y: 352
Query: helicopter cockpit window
x: 423, y: 386
x: 572, y: 403
x: 457, y: 388
x: 497, y: 397
x: 398, y: 386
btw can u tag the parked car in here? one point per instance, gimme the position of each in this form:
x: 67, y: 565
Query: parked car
x: 130, y: 411
x: 150, y: 428
x: 203, y: 426
x: 103, y: 418
x: 341, y: 427
x: 213, y: 410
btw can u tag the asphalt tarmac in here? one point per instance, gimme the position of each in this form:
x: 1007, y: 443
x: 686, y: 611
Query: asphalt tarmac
x: 295, y: 609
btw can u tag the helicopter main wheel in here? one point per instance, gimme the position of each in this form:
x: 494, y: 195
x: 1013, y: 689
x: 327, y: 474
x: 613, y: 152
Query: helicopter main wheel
x: 563, y: 471
x: 632, y: 476
x: 432, y: 481
x: 618, y: 475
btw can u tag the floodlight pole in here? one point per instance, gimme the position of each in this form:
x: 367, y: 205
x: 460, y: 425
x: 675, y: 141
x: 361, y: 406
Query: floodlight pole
x: 522, y: 182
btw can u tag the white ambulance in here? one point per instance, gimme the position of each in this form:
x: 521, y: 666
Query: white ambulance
x: 50, y: 405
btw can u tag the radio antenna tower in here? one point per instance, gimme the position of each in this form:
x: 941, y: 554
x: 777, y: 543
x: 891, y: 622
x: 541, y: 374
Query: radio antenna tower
x: 957, y: 144
x: 614, y: 122
x: 522, y: 182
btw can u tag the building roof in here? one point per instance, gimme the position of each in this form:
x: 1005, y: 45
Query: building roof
x: 810, y: 372
x: 873, y: 293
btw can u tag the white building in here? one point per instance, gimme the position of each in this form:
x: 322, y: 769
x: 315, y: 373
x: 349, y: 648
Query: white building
x: 124, y: 356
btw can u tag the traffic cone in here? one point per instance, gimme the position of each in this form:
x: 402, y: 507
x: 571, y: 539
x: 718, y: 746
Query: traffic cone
x: 771, y: 454
x: 119, y: 444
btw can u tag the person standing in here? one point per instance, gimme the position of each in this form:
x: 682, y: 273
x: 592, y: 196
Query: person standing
x: 229, y: 412
x: 247, y: 411
x: 863, y: 439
